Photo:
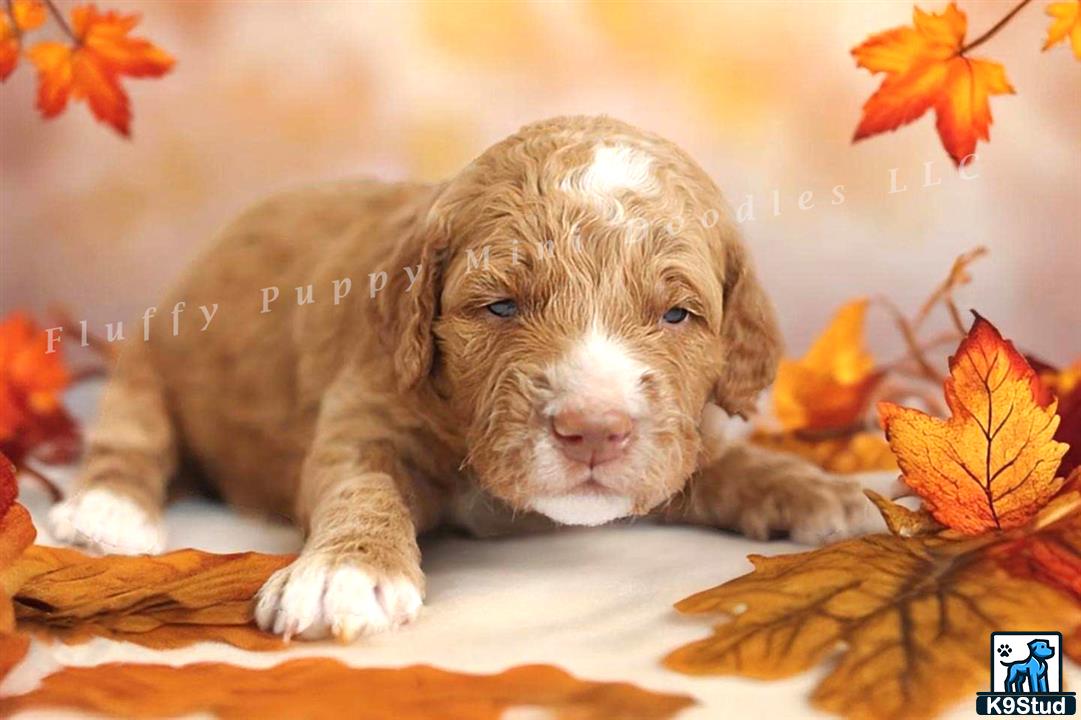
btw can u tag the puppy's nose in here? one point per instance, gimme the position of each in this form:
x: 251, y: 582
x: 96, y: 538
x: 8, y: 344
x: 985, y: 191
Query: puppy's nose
x: 592, y: 435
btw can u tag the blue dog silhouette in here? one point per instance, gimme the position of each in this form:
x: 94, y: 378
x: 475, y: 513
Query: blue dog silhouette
x: 1032, y: 669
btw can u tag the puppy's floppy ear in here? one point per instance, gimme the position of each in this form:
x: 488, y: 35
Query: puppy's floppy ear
x: 409, y: 304
x: 749, y: 333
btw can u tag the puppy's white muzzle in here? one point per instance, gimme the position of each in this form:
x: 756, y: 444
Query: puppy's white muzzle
x: 584, y: 508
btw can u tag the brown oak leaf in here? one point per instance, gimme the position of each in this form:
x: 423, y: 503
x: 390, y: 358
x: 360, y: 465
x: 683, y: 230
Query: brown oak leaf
x: 904, y: 621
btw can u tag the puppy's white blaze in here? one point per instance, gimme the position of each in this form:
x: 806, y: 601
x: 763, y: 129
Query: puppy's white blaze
x: 613, y: 168
x: 618, y: 168
x: 584, y: 508
x: 599, y: 368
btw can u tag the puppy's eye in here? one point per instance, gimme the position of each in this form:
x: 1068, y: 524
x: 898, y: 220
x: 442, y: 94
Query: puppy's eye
x: 504, y: 308
x: 675, y: 315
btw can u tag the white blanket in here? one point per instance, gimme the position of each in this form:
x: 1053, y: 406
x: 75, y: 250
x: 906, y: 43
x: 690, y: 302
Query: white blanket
x: 595, y: 602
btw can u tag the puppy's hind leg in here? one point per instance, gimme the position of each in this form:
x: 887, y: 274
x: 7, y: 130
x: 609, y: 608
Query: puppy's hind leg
x: 115, y: 505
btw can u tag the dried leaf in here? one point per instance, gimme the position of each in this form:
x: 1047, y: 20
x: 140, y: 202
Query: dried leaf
x: 324, y: 688
x: 925, y: 68
x: 905, y: 619
x: 92, y: 69
x: 958, y: 277
x: 1066, y: 23
x: 25, y: 15
x: 846, y: 453
x: 902, y: 521
x: 162, y: 601
x: 830, y: 386
x: 1052, y: 555
x: 992, y: 464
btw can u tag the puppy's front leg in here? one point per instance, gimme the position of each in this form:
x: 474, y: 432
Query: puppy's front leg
x: 760, y: 492
x: 359, y: 571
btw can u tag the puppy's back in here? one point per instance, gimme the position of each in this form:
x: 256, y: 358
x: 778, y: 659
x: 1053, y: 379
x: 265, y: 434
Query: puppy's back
x: 244, y: 391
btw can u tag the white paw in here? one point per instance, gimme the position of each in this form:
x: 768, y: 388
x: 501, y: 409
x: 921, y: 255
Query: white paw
x: 317, y: 597
x: 107, y: 522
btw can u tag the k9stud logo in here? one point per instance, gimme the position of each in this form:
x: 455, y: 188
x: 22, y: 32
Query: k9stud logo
x: 1026, y: 676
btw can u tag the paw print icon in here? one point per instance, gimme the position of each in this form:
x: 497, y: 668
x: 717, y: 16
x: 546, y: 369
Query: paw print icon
x: 1003, y: 650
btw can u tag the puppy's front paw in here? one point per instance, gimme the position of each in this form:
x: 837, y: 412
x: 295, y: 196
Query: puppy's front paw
x: 107, y: 521
x: 320, y: 596
x: 815, y: 509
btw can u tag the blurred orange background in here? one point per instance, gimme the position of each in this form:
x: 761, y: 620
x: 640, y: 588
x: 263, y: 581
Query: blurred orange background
x: 267, y: 95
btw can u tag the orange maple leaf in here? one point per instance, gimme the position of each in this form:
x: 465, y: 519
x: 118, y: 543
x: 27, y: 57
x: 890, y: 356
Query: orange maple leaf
x: 926, y: 66
x: 25, y: 15
x: 1067, y: 22
x: 31, y: 381
x: 992, y: 464
x: 828, y: 387
x: 91, y: 70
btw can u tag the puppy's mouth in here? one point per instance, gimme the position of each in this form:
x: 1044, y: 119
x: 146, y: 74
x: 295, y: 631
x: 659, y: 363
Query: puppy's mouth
x: 592, y: 486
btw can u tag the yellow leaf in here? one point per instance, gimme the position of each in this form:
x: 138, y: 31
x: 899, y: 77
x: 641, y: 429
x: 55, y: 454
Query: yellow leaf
x: 830, y: 386
x: 1066, y: 23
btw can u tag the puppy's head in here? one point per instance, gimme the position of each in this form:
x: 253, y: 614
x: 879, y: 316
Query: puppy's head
x: 582, y: 297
